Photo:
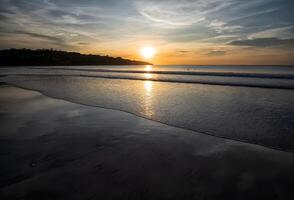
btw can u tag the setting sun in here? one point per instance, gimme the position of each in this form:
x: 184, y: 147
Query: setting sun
x: 148, y: 52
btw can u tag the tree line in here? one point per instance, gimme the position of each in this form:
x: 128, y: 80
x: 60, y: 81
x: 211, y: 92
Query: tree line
x: 50, y: 57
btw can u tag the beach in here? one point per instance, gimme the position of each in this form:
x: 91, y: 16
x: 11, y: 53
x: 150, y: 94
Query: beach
x: 55, y: 149
x: 146, y: 100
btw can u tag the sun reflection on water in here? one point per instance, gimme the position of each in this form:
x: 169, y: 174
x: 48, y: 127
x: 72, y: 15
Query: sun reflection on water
x: 148, y: 87
x: 148, y: 76
x: 148, y: 108
x: 148, y: 68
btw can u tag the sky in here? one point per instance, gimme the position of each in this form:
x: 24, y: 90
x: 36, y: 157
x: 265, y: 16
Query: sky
x: 203, y: 32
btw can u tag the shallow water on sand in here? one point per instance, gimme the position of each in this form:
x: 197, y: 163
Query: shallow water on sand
x: 256, y: 115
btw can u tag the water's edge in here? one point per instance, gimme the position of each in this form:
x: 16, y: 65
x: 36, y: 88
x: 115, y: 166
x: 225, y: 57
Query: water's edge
x: 158, y: 121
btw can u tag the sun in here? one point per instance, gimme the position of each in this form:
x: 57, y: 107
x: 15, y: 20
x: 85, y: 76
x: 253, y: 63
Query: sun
x: 148, y: 52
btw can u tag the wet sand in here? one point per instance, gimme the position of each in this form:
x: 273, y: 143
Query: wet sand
x: 54, y: 149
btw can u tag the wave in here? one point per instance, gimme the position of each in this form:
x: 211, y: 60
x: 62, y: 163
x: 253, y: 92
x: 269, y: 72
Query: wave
x: 183, y: 73
x: 282, y: 84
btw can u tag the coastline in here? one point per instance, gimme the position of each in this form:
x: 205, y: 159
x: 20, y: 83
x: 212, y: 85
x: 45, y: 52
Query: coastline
x: 57, y: 149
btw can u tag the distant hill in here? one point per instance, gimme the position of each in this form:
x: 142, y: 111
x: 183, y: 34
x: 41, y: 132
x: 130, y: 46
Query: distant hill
x: 49, y: 57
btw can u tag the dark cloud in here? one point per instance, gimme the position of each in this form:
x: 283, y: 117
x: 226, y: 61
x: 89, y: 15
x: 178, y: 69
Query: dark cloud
x: 41, y: 36
x: 184, y: 51
x: 216, y: 53
x: 5, y: 11
x: 100, y: 3
x: 20, y: 5
x: 3, y: 17
x: 264, y: 42
x: 59, y: 14
x: 83, y: 43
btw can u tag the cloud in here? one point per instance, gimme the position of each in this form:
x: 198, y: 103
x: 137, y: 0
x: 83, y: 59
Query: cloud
x: 3, y: 17
x: 183, y: 51
x: 221, y: 27
x: 6, y: 11
x: 216, y: 53
x: 41, y: 36
x: 83, y: 43
x: 179, y: 13
x: 18, y: 38
x: 264, y: 42
x: 162, y: 17
x: 280, y: 32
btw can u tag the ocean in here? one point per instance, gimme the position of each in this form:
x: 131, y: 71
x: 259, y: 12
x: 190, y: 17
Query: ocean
x: 253, y: 104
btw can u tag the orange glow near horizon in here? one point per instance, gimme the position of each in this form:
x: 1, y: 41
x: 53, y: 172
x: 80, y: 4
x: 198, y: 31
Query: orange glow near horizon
x: 171, y: 54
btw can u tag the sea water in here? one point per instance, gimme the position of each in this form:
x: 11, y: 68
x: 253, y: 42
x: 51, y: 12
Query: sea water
x: 253, y: 104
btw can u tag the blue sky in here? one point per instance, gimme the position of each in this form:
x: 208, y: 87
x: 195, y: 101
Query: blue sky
x: 182, y: 31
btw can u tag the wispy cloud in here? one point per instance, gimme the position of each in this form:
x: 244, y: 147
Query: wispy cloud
x: 56, y: 40
x: 223, y: 27
x: 280, y: 32
x: 216, y: 53
x: 264, y: 42
x: 179, y: 13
